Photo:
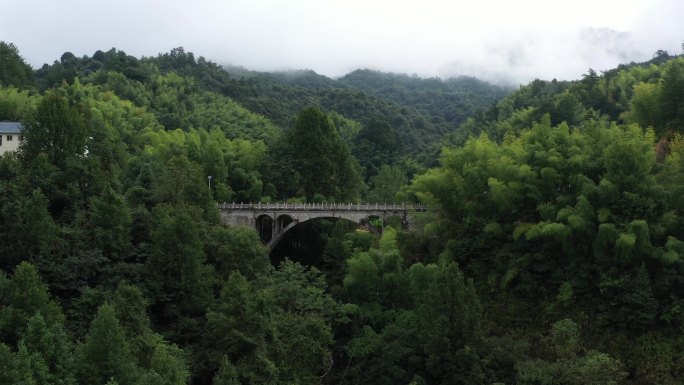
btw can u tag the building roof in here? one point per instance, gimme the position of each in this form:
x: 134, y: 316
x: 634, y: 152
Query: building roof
x: 10, y: 127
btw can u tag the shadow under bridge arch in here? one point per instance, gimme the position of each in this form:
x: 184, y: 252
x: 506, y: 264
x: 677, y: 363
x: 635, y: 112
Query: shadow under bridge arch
x: 264, y: 226
x: 305, y: 242
x: 374, y: 222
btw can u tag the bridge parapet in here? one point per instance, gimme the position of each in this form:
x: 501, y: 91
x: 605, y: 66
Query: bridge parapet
x: 284, y: 206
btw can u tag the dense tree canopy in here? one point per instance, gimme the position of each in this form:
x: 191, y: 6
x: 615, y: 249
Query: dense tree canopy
x: 552, y: 250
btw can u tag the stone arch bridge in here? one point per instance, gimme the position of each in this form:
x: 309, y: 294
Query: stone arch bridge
x: 273, y: 220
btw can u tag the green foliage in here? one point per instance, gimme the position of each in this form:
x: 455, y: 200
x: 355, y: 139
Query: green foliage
x: 128, y: 352
x: 655, y: 359
x: 180, y: 182
x: 645, y: 108
x: 317, y: 159
x: 13, y: 69
x: 421, y: 111
x: 226, y: 375
x: 376, y: 144
x: 593, y: 367
x: 50, y: 349
x: 22, y: 296
x: 34, y: 231
x: 57, y: 130
x: 565, y: 338
x: 106, y: 353
x: 450, y: 100
x: 178, y: 278
x: 596, y: 368
x: 110, y: 222
x: 451, y: 325
x: 434, y: 336
x: 166, y: 364
x: 272, y: 330
x: 376, y: 275
x: 387, y: 184
x: 15, y: 105
x: 671, y: 96
x: 560, y: 202
x: 585, y: 205
x: 130, y: 307
x: 239, y: 249
x: 8, y: 366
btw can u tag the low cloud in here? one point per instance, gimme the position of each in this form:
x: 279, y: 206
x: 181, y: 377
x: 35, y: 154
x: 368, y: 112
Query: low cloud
x: 502, y: 41
x: 562, y: 55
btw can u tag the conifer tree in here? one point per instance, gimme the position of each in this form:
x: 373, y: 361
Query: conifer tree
x: 106, y: 354
x: 319, y: 158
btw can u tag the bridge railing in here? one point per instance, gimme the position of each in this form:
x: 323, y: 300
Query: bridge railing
x: 322, y: 206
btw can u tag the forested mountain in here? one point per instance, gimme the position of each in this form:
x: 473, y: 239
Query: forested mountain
x: 446, y: 102
x: 420, y: 110
x: 553, y: 251
x: 420, y: 118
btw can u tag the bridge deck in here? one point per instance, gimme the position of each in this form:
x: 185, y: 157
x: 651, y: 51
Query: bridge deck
x: 320, y: 207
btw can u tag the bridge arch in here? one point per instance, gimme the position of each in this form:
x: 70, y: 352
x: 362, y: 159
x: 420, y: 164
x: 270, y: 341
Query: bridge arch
x: 264, y: 226
x: 285, y: 230
x: 282, y: 221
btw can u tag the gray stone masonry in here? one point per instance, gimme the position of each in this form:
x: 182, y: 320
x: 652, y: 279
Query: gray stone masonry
x: 284, y: 216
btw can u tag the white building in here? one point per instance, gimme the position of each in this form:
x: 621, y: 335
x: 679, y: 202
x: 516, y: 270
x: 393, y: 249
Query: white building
x: 10, y: 136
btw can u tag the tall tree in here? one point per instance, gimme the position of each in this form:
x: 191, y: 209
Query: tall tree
x: 672, y: 94
x: 50, y: 345
x: 106, y: 353
x: 13, y: 69
x: 450, y: 317
x: 20, y: 298
x: 645, y: 106
x: 318, y: 160
x: 58, y: 130
x: 178, y: 279
x: 378, y: 143
x: 386, y: 185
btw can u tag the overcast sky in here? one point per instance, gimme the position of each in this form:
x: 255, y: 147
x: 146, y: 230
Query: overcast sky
x: 514, y: 40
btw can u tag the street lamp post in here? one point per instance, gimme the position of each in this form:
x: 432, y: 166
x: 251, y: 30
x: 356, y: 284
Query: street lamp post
x: 209, y: 179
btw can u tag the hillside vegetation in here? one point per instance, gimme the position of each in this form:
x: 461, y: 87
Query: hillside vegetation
x: 553, y: 252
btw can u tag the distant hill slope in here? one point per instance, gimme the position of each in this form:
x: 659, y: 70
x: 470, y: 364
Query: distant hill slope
x: 451, y: 100
x: 422, y: 111
x: 179, y: 90
x: 650, y: 94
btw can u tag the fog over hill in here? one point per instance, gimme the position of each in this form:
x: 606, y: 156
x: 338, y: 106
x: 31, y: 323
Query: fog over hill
x: 502, y: 41
x: 563, y: 55
x: 514, y: 59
